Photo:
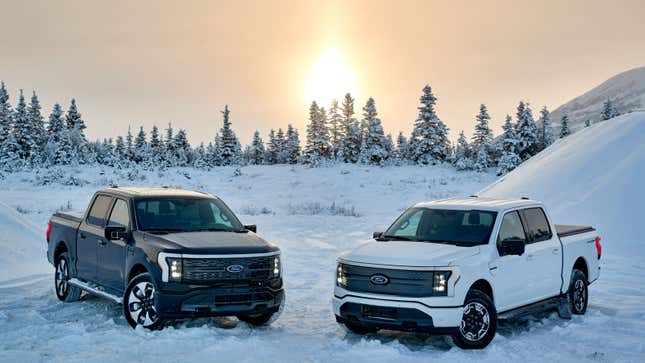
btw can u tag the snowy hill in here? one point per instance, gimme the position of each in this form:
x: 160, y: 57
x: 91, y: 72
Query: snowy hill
x: 595, y: 176
x: 626, y: 90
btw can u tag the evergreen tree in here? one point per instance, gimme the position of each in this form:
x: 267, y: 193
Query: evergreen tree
x: 317, y: 147
x: 482, y: 141
x: 292, y: 147
x: 230, y: 146
x: 200, y: 161
x: 350, y: 141
x: 22, y: 131
x: 564, y: 130
x: 37, y: 123
x: 272, y: 149
x: 510, y: 142
x: 281, y: 155
x: 214, y: 151
x: 402, y: 148
x: 119, y: 149
x: 256, y: 151
x: 6, y: 115
x: 462, y: 157
x: 183, y: 149
x: 335, y: 123
x: 141, y: 151
x: 526, y: 131
x: 156, y: 146
x: 54, y: 153
x: 429, y: 143
x: 545, y: 133
x: 608, y: 110
x: 170, y: 149
x: 73, y: 118
x: 129, y: 145
x: 374, y: 146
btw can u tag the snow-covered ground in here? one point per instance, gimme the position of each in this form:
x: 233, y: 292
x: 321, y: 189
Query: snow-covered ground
x: 313, y: 214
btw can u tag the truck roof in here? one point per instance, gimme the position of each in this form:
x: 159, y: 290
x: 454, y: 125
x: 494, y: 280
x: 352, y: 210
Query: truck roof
x: 482, y: 203
x: 154, y: 192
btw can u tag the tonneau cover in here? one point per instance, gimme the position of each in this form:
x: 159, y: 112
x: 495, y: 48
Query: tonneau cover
x: 566, y: 230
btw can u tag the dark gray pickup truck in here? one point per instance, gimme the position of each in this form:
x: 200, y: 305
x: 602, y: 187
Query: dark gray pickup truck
x: 166, y: 254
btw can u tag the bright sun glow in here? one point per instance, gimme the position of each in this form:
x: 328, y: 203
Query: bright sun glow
x: 329, y: 78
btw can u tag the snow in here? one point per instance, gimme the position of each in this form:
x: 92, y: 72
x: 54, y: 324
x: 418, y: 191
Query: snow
x: 305, y: 211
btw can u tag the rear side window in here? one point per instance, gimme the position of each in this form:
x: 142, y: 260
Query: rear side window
x: 536, y: 224
x: 99, y: 210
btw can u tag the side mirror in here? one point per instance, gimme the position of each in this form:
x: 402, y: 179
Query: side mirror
x: 251, y: 227
x: 116, y: 233
x: 377, y: 235
x: 512, y: 247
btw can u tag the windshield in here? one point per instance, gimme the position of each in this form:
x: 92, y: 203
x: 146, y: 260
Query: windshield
x: 185, y: 215
x: 459, y: 227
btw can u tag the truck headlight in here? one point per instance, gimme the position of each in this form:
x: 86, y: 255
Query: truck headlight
x: 440, y: 283
x: 276, y: 266
x: 176, y: 267
x: 341, y: 275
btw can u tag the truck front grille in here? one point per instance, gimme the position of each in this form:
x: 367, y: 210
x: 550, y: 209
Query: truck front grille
x: 412, y: 283
x: 212, y: 270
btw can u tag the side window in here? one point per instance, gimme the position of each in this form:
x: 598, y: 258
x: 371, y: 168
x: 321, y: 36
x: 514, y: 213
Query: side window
x: 511, y: 228
x: 99, y: 210
x: 536, y: 224
x: 120, y: 217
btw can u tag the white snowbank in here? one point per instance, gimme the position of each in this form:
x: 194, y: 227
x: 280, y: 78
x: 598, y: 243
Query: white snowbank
x: 593, y: 177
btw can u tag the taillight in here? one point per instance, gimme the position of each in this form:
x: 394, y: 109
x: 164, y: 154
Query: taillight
x: 598, y: 247
x: 49, y: 230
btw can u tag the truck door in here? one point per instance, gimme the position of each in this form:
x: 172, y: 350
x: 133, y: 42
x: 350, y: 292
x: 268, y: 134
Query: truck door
x: 111, y: 254
x: 89, y: 235
x: 510, y: 271
x: 544, y: 254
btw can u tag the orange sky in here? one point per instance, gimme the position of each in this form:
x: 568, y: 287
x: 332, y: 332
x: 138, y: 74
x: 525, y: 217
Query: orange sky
x: 146, y: 62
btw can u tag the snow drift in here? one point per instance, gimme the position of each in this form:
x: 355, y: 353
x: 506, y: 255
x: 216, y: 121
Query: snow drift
x: 595, y: 176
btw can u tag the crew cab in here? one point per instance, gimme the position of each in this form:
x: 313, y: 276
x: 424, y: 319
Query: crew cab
x: 165, y: 254
x: 456, y: 266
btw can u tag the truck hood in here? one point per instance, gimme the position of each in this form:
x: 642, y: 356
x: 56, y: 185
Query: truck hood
x: 223, y: 243
x: 404, y: 253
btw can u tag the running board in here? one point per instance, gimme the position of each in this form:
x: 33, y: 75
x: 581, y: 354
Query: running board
x: 553, y: 303
x: 95, y: 290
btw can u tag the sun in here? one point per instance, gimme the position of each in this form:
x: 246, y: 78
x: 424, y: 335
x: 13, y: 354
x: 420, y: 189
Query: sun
x: 330, y: 78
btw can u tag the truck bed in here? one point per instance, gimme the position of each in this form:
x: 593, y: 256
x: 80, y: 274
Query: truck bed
x: 70, y: 216
x: 568, y: 230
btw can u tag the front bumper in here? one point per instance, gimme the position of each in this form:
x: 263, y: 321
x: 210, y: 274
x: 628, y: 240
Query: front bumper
x: 382, y: 313
x: 209, y: 301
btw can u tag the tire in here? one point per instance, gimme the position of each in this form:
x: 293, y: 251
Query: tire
x: 140, y: 305
x: 578, y: 294
x: 64, y: 291
x: 479, y: 322
x: 360, y: 329
x: 264, y: 319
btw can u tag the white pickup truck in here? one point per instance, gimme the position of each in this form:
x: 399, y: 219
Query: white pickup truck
x: 455, y: 266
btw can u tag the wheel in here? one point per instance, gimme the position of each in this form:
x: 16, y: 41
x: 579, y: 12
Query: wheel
x: 139, y: 303
x: 578, y: 295
x: 478, y: 323
x: 360, y: 329
x: 64, y: 291
x: 264, y: 319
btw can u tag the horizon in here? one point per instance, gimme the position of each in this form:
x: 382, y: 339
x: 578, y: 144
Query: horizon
x: 108, y: 58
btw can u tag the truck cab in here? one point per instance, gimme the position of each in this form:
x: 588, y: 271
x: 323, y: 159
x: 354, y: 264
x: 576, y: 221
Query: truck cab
x: 454, y: 266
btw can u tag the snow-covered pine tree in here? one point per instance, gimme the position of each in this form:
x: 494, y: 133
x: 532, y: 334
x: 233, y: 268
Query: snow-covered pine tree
x: 230, y: 148
x: 119, y: 150
x: 482, y: 141
x: 509, y: 144
x: 402, y: 148
x: 183, y: 149
x: 200, y: 161
x: 281, y: 155
x: 527, y: 131
x: 429, y: 142
x: 609, y: 110
x: 564, y: 128
x: 462, y: 158
x: 75, y: 132
x: 53, y: 152
x: 256, y: 151
x: 6, y: 115
x: 156, y: 146
x: 335, y: 122
x: 37, y: 125
x: 292, y: 147
x: 141, y: 151
x: 545, y: 132
x: 390, y: 148
x: 271, y: 156
x: 22, y: 131
x: 374, y: 146
x: 129, y: 145
x: 170, y: 149
x: 73, y: 118
x: 317, y: 147
x: 214, y: 151
x: 350, y: 141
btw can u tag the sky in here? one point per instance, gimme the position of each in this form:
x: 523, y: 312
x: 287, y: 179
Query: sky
x: 146, y: 62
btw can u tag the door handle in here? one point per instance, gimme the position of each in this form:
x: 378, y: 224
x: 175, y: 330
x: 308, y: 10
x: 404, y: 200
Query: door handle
x: 102, y: 242
x: 556, y: 251
x: 82, y: 235
x: 530, y: 257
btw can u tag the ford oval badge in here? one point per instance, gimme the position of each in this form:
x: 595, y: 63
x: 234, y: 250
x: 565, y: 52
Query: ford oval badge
x: 234, y: 268
x: 379, y: 279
